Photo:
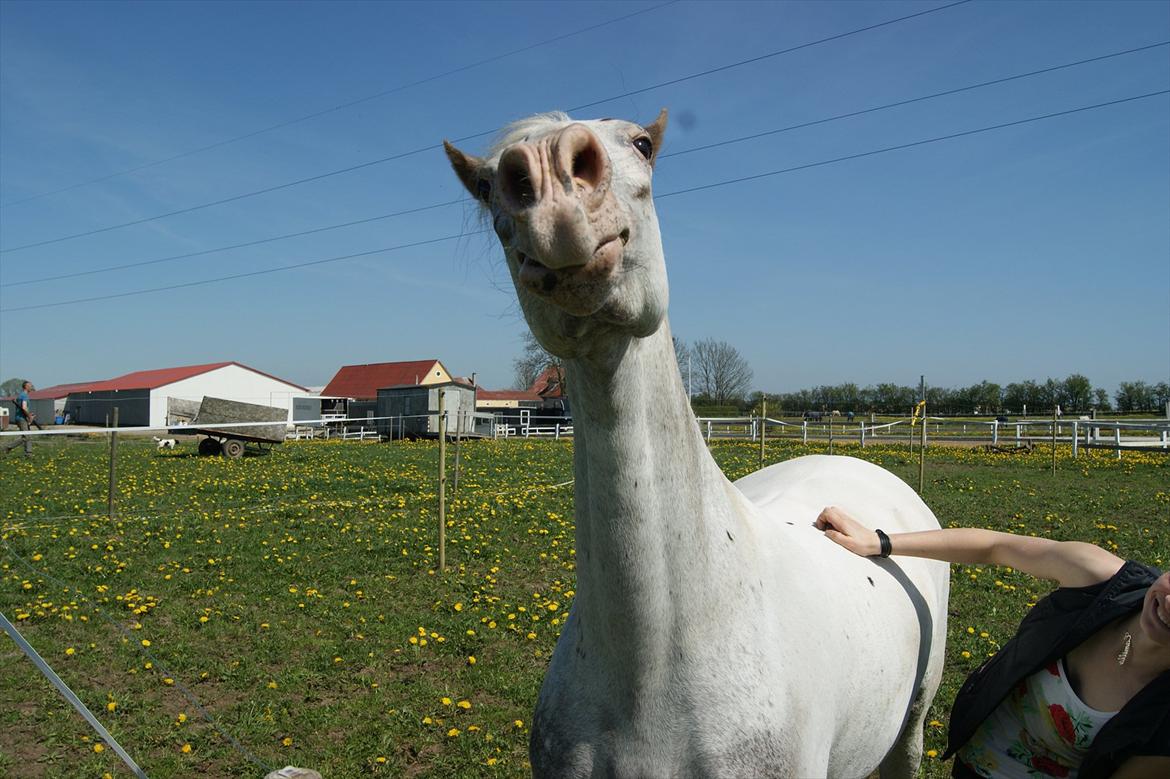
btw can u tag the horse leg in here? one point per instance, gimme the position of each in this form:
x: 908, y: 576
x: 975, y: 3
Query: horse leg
x: 904, y: 757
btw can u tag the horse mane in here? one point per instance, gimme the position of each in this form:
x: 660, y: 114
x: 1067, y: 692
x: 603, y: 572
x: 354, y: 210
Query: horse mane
x: 516, y: 131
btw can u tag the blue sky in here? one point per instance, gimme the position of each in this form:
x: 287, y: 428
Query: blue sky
x: 1032, y: 251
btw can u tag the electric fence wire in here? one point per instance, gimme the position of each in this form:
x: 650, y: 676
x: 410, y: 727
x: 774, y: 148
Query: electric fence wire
x: 687, y: 190
x: 464, y: 138
x: 661, y: 157
x: 150, y: 656
x: 342, y: 106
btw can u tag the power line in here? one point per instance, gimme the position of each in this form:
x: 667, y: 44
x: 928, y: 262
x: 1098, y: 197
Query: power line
x: 910, y: 145
x: 340, y: 106
x: 704, y: 147
x: 246, y: 274
x: 431, y: 147
x: 944, y: 93
x: 257, y: 242
x: 699, y: 188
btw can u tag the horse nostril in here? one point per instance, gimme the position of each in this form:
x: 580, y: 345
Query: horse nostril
x: 587, y: 167
x: 516, y: 180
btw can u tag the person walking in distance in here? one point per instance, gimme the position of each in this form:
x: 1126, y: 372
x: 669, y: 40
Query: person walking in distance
x: 23, y: 419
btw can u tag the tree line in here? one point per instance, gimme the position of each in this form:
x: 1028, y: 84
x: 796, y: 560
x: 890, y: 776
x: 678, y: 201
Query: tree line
x: 1074, y: 395
x: 716, y: 375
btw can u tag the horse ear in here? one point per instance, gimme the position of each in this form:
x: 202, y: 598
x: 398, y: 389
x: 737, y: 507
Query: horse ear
x: 466, y: 168
x: 657, y: 130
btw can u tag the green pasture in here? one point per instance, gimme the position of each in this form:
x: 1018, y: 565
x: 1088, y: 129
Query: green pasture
x: 296, y: 597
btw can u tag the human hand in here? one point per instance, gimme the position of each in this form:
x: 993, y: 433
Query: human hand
x: 842, y: 529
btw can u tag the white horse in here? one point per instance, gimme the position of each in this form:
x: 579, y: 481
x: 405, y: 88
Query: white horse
x: 715, y: 631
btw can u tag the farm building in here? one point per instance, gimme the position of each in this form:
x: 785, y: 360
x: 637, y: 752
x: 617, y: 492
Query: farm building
x: 413, y: 411
x: 49, y: 403
x: 544, y: 401
x: 359, y: 384
x: 167, y: 396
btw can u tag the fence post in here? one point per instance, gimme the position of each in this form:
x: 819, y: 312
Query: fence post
x: 442, y: 486
x: 922, y: 453
x: 113, y: 462
x: 1017, y: 435
x: 557, y: 432
x: 1117, y: 440
x: 862, y: 435
x: 458, y: 438
x: 708, y: 432
x: 1075, y: 439
x: 763, y: 428
x: 804, y: 431
x: 1054, y: 418
x: 995, y: 432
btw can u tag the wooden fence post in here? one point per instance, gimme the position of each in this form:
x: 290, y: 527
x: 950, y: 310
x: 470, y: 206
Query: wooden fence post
x: 1075, y: 439
x: 442, y: 485
x: 922, y: 452
x: 1054, y: 418
x: 113, y: 462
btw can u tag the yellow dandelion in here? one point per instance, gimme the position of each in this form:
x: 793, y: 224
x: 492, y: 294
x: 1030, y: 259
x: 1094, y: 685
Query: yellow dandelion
x: 453, y: 733
x: 932, y: 753
x: 70, y: 651
x: 272, y: 685
x: 464, y: 705
x: 111, y: 706
x: 99, y: 748
x: 185, y: 749
x: 287, y: 741
x: 471, y: 659
x: 445, y: 701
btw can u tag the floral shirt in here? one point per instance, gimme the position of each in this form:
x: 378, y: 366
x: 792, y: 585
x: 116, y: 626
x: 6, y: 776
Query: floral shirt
x: 1041, y: 729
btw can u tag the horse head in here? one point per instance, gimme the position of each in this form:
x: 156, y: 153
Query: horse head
x: 571, y: 203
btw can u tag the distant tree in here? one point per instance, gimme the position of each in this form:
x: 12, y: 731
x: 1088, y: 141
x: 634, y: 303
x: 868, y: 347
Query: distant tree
x: 1161, y: 396
x: 1101, y: 399
x: 1078, y: 393
x: 682, y: 353
x: 720, y: 371
x: 529, y: 365
x: 1134, y: 396
x: 11, y: 387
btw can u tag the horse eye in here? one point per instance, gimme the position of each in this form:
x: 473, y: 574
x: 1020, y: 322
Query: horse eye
x: 484, y: 190
x: 644, y: 146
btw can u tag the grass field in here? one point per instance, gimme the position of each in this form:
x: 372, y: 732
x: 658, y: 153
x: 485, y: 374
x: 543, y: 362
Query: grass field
x: 295, y: 596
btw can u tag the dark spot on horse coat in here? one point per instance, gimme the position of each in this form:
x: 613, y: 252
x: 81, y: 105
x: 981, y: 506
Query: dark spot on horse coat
x: 871, y: 584
x: 549, y: 282
x: 787, y: 523
x: 729, y: 536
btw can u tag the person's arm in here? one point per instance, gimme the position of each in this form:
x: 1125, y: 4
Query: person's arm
x: 1071, y: 563
x: 1143, y: 767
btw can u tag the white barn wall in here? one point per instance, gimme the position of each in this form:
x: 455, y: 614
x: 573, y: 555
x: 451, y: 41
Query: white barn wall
x: 231, y: 382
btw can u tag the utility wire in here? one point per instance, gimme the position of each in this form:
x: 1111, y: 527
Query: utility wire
x: 704, y: 147
x: 340, y: 106
x: 462, y: 139
x: 910, y: 145
x: 699, y: 188
x: 257, y: 242
x: 247, y: 274
x: 909, y: 101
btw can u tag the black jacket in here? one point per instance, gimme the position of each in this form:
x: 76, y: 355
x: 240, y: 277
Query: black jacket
x: 1054, y: 626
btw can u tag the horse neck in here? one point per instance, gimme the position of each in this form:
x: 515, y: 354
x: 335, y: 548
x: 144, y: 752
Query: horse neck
x: 650, y: 500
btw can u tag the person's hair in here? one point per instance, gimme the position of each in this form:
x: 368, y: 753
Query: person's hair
x: 25, y: 383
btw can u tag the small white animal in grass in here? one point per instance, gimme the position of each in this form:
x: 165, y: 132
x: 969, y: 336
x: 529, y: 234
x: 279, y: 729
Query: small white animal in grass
x: 164, y: 443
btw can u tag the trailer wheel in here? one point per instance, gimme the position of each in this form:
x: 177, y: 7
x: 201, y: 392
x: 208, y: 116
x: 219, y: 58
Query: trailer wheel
x: 233, y: 448
x: 209, y: 447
